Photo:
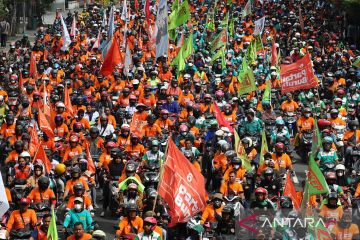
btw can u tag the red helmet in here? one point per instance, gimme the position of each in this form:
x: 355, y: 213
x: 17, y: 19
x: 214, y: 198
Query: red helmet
x: 341, y: 92
x: 164, y: 111
x: 207, y: 96
x: 323, y: 123
x: 183, y: 128
x: 132, y: 97
x: 125, y: 127
x: 78, y: 125
x: 219, y: 93
x: 151, y: 220
x: 134, y: 135
x: 104, y: 93
x: 261, y: 190
x: 74, y: 138
x: 279, y: 145
x: 26, y: 201
x: 330, y: 175
x: 110, y: 145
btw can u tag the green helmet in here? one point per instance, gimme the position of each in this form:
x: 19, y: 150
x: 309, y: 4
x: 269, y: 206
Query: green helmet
x: 155, y: 143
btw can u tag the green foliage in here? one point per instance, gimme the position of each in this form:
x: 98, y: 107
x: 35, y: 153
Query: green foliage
x: 352, y: 7
x: 3, y: 12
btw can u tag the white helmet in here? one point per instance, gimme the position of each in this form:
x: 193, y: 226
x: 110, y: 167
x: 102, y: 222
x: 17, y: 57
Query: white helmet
x: 340, y: 167
x: 25, y: 154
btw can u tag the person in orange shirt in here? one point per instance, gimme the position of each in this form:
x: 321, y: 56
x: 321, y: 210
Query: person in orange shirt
x: 23, y: 169
x: 111, y: 118
x: 289, y: 105
x: 60, y: 110
x: 43, y: 194
x: 40, y: 232
x: 105, y: 156
x: 79, y: 191
x: 124, y: 97
x: 163, y: 121
x: 344, y: 229
x: 281, y: 158
x: 165, y: 74
x: 212, y: 212
x: 250, y: 150
x: 8, y: 128
x: 141, y: 113
x: 129, y: 171
x: 228, y: 114
x: 335, y: 119
x: 186, y: 112
x: 74, y: 150
x: 186, y: 96
x: 232, y: 187
x: 148, y: 98
x: 190, y: 156
x: 124, y: 136
x: 237, y: 169
x: 131, y: 223
x: 14, y: 154
x: 351, y: 137
x: 135, y: 148
x: 220, y: 160
x: 151, y: 130
x: 61, y: 130
x: 331, y: 210
x: 79, y: 233
x: 207, y: 106
x: 274, y: 81
x: 80, y: 118
x: 23, y: 217
x: 75, y: 178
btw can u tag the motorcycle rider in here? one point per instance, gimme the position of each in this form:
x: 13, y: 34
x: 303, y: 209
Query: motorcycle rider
x: 79, y: 233
x: 79, y: 192
x: 23, y: 169
x: 75, y: 178
x: 226, y: 225
x: 154, y: 155
x: 43, y: 194
x: 124, y: 136
x: 326, y: 154
x: 342, y: 179
x: 135, y: 148
x: 232, y: 187
x: 78, y: 214
x: 351, y: 137
x: 22, y: 218
x: 335, y: 119
x: 281, y: 158
x: 132, y: 194
x: 131, y: 223
x: 304, y: 123
x: 149, y: 227
x: 212, y: 212
x: 251, y: 126
x: 279, y: 131
x: 331, y: 211
x: 261, y: 201
x: 345, y: 229
x: 95, y: 143
x: 271, y: 183
x: 40, y: 232
x: 38, y: 172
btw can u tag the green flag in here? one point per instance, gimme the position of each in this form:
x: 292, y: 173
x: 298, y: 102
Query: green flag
x: 179, y: 16
x: 217, y: 55
x: 240, y: 151
x: 175, y: 5
x: 316, y: 140
x: 210, y: 24
x: 123, y: 185
x: 247, y: 9
x: 250, y: 53
x: 357, y: 63
x: 264, y: 147
x: 52, y: 233
x: 306, y: 197
x: 247, y: 81
x: 267, y: 93
x: 219, y: 41
x: 319, y: 230
x: 187, y: 48
x: 258, y: 43
x: 231, y: 27
x: 225, y: 22
x: 316, y: 180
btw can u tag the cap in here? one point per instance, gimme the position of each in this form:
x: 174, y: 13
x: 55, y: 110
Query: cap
x: 79, y: 199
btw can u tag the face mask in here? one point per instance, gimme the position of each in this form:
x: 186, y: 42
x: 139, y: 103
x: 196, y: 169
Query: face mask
x: 307, y: 115
x: 236, y: 166
x: 354, y: 128
x: 340, y: 174
x: 77, y: 207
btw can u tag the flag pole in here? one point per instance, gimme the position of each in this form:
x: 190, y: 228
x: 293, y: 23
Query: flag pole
x: 161, y: 171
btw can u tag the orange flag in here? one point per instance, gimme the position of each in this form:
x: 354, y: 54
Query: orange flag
x: 274, y: 55
x: 113, y: 58
x: 291, y: 192
x: 33, y: 69
x: 91, y: 166
x: 67, y: 102
x: 45, y: 125
x: 34, y: 140
x: 21, y: 81
x: 41, y: 156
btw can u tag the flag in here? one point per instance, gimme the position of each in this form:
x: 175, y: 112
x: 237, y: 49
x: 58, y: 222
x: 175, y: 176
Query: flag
x: 44, y: 124
x: 316, y: 180
x: 175, y: 5
x: 104, y: 20
x: 264, y: 147
x: 301, y: 20
x: 210, y: 24
x: 179, y: 16
x: 220, y: 118
x: 274, y: 55
x: 111, y: 23
x: 219, y: 41
x: 247, y: 9
x: 124, y: 11
x: 65, y: 34
x: 32, y: 67
x: 136, y: 4
x: 182, y: 186
x: 267, y: 93
x: 225, y: 22
x: 306, y: 197
x: 240, y: 152
x: 162, y: 37
x: 112, y: 59
x: 97, y: 41
x: 356, y: 63
x: 319, y: 230
x: 187, y: 48
x: 147, y: 11
x: 4, y: 203
x: 220, y: 53
x: 67, y: 102
x: 259, y: 26
x: 41, y: 155
x: 46, y: 105
x: 316, y: 140
x: 258, y: 44
x: 231, y: 27
x: 250, y: 54
x: 91, y: 166
x: 34, y: 140
x: 52, y: 233
x: 290, y: 191
x: 73, y: 27
x: 128, y: 60
x: 247, y: 81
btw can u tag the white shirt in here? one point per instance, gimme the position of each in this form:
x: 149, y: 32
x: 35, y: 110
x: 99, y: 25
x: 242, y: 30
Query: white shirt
x: 108, y: 130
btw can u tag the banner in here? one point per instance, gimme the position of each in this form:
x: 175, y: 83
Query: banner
x: 290, y: 191
x: 4, y: 204
x: 65, y: 34
x: 162, y: 38
x: 182, y: 186
x: 247, y: 81
x: 247, y: 9
x: 316, y: 180
x: 259, y: 26
x: 298, y: 75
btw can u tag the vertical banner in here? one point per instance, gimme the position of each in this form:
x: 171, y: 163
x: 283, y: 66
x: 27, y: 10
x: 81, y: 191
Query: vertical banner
x: 162, y: 39
x: 4, y: 204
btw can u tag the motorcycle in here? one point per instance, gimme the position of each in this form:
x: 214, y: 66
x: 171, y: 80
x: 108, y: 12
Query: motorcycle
x: 269, y: 127
x: 151, y: 175
x: 114, y: 204
x: 352, y: 161
x: 306, y: 144
x: 339, y: 131
x: 41, y: 209
x: 20, y: 234
x: 19, y: 190
x: 290, y: 123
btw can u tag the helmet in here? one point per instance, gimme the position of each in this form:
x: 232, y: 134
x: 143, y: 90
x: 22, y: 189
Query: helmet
x: 44, y: 181
x: 164, y: 111
x: 330, y: 176
x: 340, y: 167
x: 269, y: 172
x: 261, y: 190
x: 110, y: 145
x: 247, y: 141
x: 332, y: 195
x: 74, y: 138
x: 132, y: 186
x: 131, y: 207
x: 230, y: 154
x: 125, y: 127
x: 328, y: 140
x: 78, y: 187
x: 60, y: 169
x: 58, y: 118
x: 280, y: 122
x: 323, y: 123
x: 130, y: 167
x: 279, y: 145
x: 285, y: 202
x: 155, y: 143
x: 99, y: 234
x: 219, y: 93
x: 354, y: 123
x: 24, y: 155
x: 307, y: 110
x: 151, y: 118
x: 94, y: 130
x: 183, y: 128
x: 24, y: 201
x: 236, y: 160
x: 334, y: 111
x: 151, y: 220
x: 225, y: 147
x: 76, y: 169
x: 207, y: 96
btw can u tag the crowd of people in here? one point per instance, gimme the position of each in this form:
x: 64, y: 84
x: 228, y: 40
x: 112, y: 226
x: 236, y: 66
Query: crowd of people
x: 91, y: 147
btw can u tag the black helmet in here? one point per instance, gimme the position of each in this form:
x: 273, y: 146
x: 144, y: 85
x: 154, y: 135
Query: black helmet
x: 151, y: 118
x: 227, y: 209
x: 230, y: 154
x: 236, y: 160
x: 332, y: 195
x: 225, y: 147
x: 76, y: 169
x: 94, y: 130
x: 353, y: 123
x: 44, y: 181
x: 78, y: 187
x: 269, y: 172
x: 285, y: 202
x: 131, y: 207
x: 9, y: 117
x: 130, y: 167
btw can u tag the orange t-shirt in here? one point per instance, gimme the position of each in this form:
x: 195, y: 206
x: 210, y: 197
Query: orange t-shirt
x: 345, y: 234
x: 151, y: 131
x: 289, y: 106
x: 38, y: 197
x: 70, y: 184
x: 284, y: 161
x: 86, y: 236
x: 72, y: 152
x: 125, y: 227
x: 235, y: 187
x: 209, y: 214
x: 16, y: 222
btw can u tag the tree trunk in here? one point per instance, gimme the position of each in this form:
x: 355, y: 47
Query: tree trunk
x: 13, y: 22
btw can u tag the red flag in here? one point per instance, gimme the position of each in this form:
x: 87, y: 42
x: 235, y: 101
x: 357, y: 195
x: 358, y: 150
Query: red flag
x: 182, y: 186
x: 298, y: 75
x: 220, y: 118
x: 44, y: 124
x: 91, y: 166
x: 41, y: 156
x: 274, y: 54
x: 113, y: 58
x: 136, y: 4
x: 301, y: 20
x: 147, y: 11
x: 291, y: 192
x: 33, y: 69
x: 34, y: 139
x: 67, y: 102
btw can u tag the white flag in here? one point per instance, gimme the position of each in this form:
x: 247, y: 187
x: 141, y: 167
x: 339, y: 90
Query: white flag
x: 65, y: 34
x: 247, y: 9
x: 162, y: 39
x: 259, y: 26
x: 128, y: 60
x: 73, y: 27
x: 4, y: 203
x: 97, y: 42
x: 104, y: 20
x: 124, y: 11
